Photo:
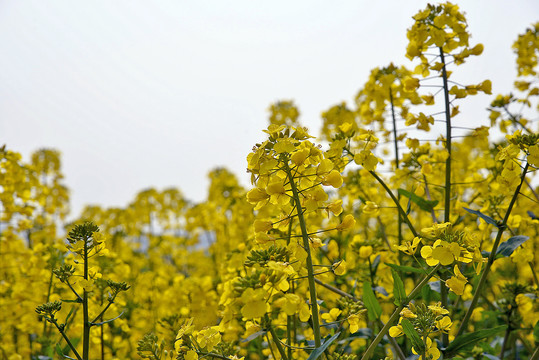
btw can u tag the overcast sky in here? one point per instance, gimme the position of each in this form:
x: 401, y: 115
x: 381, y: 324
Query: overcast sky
x: 157, y: 93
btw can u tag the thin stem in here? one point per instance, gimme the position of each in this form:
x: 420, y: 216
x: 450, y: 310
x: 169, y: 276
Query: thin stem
x: 310, y: 272
x: 492, y: 256
x: 61, y: 330
x: 289, y: 318
x: 447, y: 204
x: 269, y: 345
x: 396, y: 201
x: 427, y: 192
x: 74, y: 292
x: 535, y: 354
x: 393, y: 342
x: 507, y: 334
x: 85, y: 310
x: 424, y: 347
x: 336, y: 290
x: 394, y: 128
x: 103, y: 311
x: 534, y: 274
x: 532, y: 189
x: 275, y: 338
x: 370, y: 351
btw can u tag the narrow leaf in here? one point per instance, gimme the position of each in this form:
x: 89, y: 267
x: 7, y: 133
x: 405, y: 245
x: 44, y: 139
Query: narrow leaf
x: 107, y: 321
x: 69, y: 315
x: 254, y: 336
x: 371, y: 303
x: 412, y: 334
x: 405, y: 268
x: 59, y: 350
x: 375, y: 264
x: 487, y: 219
x: 318, y: 351
x: 425, y: 205
x: 398, y: 288
x: 468, y: 340
x: 507, y: 247
x: 381, y: 290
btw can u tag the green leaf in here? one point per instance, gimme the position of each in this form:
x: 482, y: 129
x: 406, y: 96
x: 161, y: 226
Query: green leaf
x: 318, y: 351
x: 59, y: 350
x: 68, y: 316
x: 507, y: 247
x: 536, y: 332
x: 425, y: 205
x: 375, y: 264
x: 468, y: 340
x: 371, y: 303
x: 254, y: 336
x: 412, y: 334
x: 398, y: 288
x: 405, y: 268
x: 487, y: 219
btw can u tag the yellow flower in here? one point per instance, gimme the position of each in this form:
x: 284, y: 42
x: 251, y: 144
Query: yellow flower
x: 255, y: 306
x: 432, y: 352
x: 191, y: 355
x: 209, y: 338
x: 262, y: 226
x: 410, y: 248
x: 335, y: 207
x: 339, y: 268
x: 371, y: 208
x: 410, y: 84
x: 438, y: 309
x: 334, y: 179
x: 407, y: 313
x: 347, y: 223
x: 441, y: 252
x: 396, y: 331
x: 332, y: 315
x: 533, y: 156
x: 444, y: 324
x: 456, y: 283
x: 353, y: 320
x: 365, y: 251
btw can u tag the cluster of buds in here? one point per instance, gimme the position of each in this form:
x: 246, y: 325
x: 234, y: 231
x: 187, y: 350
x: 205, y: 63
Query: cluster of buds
x: 425, y: 321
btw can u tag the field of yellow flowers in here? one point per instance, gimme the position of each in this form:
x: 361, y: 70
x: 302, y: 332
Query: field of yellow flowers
x: 363, y: 243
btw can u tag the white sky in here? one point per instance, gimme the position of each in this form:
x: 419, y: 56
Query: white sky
x: 157, y: 93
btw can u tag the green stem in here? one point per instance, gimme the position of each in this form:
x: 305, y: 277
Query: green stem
x: 370, y: 351
x: 395, y: 143
x: 535, y: 354
x: 492, y: 256
x: 394, y: 128
x: 424, y: 357
x: 289, y: 318
x: 396, y: 201
x: 103, y: 311
x: 310, y: 272
x: 532, y: 267
x: 86, y: 329
x: 48, y: 298
x: 392, y: 341
x: 275, y: 338
x: 55, y: 322
x: 447, y: 204
x: 507, y: 334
